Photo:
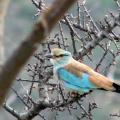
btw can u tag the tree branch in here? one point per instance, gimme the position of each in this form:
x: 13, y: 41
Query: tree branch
x: 40, y: 30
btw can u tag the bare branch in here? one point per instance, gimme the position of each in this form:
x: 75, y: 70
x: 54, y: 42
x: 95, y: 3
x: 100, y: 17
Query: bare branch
x: 40, y: 30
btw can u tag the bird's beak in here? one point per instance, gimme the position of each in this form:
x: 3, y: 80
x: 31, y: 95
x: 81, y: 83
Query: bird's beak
x: 49, y: 56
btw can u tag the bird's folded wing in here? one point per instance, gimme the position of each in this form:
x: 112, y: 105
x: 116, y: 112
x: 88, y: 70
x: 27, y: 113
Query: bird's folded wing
x: 74, y: 81
x: 95, y: 78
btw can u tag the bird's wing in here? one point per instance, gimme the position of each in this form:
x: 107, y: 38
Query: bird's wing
x: 95, y: 78
x: 75, y: 81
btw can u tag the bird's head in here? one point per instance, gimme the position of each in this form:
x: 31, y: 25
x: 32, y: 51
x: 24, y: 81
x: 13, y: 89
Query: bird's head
x: 60, y: 57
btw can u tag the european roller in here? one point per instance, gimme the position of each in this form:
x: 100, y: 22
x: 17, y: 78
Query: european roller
x: 77, y: 76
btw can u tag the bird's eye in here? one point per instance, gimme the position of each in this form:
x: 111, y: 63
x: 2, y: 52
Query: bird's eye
x: 62, y: 55
x: 57, y: 56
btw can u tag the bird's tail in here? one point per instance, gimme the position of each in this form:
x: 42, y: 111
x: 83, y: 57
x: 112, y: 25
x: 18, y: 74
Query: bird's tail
x: 117, y: 87
x: 104, y: 83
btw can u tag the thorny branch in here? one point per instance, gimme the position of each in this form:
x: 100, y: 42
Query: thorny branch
x: 85, y: 35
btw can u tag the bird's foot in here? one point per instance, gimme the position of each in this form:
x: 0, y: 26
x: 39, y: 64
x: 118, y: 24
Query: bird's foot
x: 74, y: 94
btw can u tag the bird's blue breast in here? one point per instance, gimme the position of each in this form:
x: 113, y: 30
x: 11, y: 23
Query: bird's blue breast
x: 73, y: 82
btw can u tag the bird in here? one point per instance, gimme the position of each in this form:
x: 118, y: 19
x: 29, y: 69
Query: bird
x: 77, y: 76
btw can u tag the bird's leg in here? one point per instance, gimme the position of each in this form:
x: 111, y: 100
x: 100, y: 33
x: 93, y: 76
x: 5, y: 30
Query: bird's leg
x: 76, y: 94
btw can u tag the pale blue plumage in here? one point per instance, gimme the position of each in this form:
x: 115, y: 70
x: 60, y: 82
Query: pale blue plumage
x: 75, y: 83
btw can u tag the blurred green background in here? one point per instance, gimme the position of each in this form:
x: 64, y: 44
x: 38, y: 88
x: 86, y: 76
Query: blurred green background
x: 19, y: 21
